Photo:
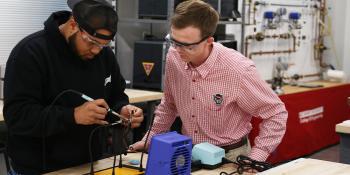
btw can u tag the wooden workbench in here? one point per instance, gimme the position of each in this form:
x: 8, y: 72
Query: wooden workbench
x: 304, y: 166
x: 108, y: 162
x: 143, y: 96
x: 288, y: 89
x: 300, y: 166
x: 343, y: 127
x: 135, y: 96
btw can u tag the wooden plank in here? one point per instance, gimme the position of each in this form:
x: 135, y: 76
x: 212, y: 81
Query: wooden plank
x: 108, y: 162
x: 288, y: 89
x: 309, y: 166
x: 297, y: 167
x: 137, y: 96
x: 343, y: 127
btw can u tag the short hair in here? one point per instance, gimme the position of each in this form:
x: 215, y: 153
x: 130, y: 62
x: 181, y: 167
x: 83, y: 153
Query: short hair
x: 92, y: 15
x: 198, y: 14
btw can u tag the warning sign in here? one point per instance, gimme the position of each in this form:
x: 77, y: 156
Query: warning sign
x: 148, y: 67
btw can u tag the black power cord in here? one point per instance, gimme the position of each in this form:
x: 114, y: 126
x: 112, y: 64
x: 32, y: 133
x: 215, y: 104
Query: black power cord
x: 126, y: 131
x: 48, y: 109
x: 44, y: 123
x: 144, y: 146
x: 245, y: 163
x: 90, y: 144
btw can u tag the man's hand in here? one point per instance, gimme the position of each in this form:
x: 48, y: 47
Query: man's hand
x: 93, y: 112
x: 136, y: 147
x: 134, y: 113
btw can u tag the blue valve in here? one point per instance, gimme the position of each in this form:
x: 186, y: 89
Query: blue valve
x: 269, y: 15
x: 294, y: 15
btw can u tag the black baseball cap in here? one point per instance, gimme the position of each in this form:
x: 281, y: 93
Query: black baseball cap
x: 92, y: 15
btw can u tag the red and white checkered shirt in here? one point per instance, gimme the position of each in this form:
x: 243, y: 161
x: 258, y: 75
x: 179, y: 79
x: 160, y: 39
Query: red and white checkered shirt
x: 216, y: 101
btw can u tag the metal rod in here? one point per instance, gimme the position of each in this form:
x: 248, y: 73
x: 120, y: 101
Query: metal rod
x: 243, y: 26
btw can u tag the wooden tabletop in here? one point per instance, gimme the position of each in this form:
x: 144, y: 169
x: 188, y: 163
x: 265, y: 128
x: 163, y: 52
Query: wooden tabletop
x: 300, y: 166
x: 108, y: 162
x: 343, y: 127
x: 137, y: 96
x: 288, y: 89
x: 304, y: 166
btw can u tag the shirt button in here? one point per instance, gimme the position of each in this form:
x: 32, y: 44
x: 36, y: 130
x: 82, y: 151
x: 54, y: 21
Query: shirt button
x: 196, y: 131
x: 192, y: 98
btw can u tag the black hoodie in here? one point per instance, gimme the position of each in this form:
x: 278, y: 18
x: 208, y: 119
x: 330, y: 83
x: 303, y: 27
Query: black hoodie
x: 40, y: 67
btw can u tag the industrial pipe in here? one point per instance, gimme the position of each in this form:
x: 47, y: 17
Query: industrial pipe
x: 259, y: 37
x: 278, y: 4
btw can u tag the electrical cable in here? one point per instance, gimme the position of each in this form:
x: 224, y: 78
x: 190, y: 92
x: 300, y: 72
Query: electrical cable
x: 48, y: 109
x: 90, y: 143
x: 144, y: 146
x: 245, y: 163
x: 125, y: 131
x: 114, y: 151
x: 114, y: 159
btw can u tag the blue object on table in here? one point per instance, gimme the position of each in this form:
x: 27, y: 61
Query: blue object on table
x: 134, y: 162
x: 169, y: 153
x: 207, y: 153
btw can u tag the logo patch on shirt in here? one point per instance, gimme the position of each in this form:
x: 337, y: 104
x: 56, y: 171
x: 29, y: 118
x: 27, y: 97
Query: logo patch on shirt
x: 108, y: 80
x: 218, y: 99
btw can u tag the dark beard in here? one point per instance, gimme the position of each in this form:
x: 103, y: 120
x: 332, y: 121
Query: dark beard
x: 73, y: 45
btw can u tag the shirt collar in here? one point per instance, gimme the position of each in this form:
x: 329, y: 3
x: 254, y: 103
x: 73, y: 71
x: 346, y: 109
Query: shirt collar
x: 205, y: 68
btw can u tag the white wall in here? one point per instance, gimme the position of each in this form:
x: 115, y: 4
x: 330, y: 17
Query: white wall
x: 33, y: 13
x: 338, y: 42
x: 346, y: 51
x: 335, y: 41
x: 19, y: 18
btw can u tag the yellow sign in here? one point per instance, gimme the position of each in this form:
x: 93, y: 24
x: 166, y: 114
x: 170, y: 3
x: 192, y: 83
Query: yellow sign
x: 148, y: 67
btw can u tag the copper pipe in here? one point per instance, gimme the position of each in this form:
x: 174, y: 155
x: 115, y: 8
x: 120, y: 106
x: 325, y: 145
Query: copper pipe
x: 250, y: 3
x: 247, y: 43
x: 254, y: 13
x: 249, y: 12
x: 282, y: 36
x: 311, y: 75
x: 304, y: 76
x: 269, y: 52
x: 319, y: 46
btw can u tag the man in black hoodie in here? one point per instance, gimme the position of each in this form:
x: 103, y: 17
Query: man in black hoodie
x: 49, y: 127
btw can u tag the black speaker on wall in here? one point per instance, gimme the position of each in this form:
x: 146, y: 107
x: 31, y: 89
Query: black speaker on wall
x: 159, y: 9
x: 228, y: 9
x: 149, y: 64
